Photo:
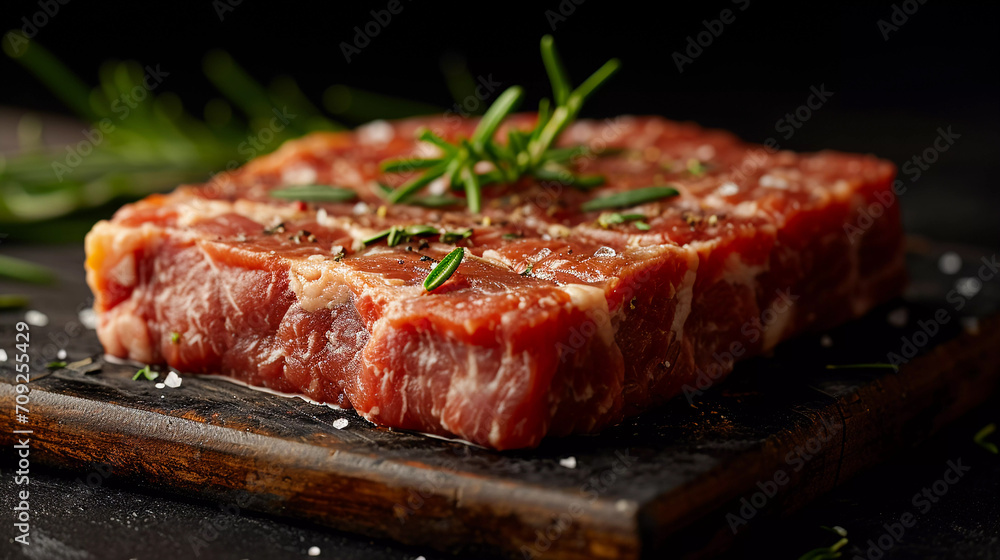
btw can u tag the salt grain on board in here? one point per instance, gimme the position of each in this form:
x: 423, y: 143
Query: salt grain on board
x: 36, y: 318
x: 88, y: 318
x: 968, y: 287
x: 340, y: 423
x: 568, y: 462
x: 898, y: 317
x: 314, y: 551
x: 173, y: 380
x: 950, y: 263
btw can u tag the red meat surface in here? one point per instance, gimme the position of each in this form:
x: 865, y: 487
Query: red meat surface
x: 552, y: 325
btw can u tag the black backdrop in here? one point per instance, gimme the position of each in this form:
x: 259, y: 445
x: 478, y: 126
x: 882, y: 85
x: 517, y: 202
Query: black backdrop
x: 938, y: 68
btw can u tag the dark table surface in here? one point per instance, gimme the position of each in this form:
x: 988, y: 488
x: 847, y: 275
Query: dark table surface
x: 84, y: 516
x: 81, y: 515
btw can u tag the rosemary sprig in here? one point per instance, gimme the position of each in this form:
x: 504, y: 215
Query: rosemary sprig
x: 628, y: 199
x: 526, y: 153
x: 397, y: 235
x: 315, y: 193
x: 444, y: 269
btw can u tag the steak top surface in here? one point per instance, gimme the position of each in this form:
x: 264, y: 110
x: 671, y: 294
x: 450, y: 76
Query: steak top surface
x: 556, y: 322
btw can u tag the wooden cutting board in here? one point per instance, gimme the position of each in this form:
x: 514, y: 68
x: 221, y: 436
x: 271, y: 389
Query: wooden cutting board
x: 686, y: 478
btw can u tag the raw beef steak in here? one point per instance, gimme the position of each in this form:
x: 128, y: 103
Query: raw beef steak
x: 557, y: 321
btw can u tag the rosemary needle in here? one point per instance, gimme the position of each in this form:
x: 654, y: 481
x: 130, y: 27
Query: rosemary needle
x: 627, y: 199
x: 315, y: 193
x: 444, y: 269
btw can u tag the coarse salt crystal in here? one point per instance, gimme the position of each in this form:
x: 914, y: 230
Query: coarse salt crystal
x: 340, y: 423
x: 898, y: 317
x: 314, y: 551
x: 88, y: 318
x: 375, y: 132
x: 968, y: 287
x: 568, y: 462
x: 727, y: 189
x: 36, y: 318
x: 950, y: 263
x: 173, y: 380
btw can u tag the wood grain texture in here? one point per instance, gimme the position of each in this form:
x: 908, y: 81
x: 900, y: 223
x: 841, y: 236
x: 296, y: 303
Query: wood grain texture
x: 677, y: 479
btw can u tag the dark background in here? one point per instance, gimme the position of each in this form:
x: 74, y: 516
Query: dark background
x: 939, y: 69
x: 889, y: 96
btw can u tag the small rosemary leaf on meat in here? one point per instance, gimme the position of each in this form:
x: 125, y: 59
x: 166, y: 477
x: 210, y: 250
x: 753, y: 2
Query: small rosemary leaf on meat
x: 695, y: 167
x: 626, y: 199
x: 407, y: 164
x: 607, y: 219
x: 444, y: 269
x: 146, y: 374
x: 455, y: 236
x: 433, y: 201
x: 315, y: 193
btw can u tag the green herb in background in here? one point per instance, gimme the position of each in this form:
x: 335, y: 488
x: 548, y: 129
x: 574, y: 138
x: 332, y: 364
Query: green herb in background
x: 13, y: 301
x: 24, y: 271
x: 829, y: 552
x: 981, y: 435
x: 159, y: 143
